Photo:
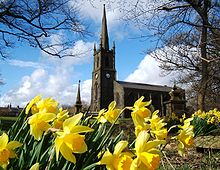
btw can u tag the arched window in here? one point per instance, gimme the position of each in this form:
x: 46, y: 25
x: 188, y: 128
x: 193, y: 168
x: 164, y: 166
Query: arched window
x: 97, y: 62
x: 96, y: 91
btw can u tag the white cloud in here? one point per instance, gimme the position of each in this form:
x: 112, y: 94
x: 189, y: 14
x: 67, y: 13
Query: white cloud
x: 21, y: 63
x: 148, y: 71
x: 53, y: 80
x: 40, y: 82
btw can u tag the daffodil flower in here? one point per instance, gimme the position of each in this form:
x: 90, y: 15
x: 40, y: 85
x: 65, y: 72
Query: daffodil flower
x: 39, y: 123
x: 101, y: 116
x: 185, y: 136
x: 141, y: 127
x: 148, y: 157
x: 112, y: 113
x: 48, y: 105
x: 139, y: 111
x: 118, y: 160
x: 60, y: 118
x: 157, y: 126
x: 32, y: 105
x: 69, y: 141
x: 7, y: 150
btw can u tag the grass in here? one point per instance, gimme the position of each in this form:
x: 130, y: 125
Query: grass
x: 8, y: 118
x: 6, y: 122
x: 193, y: 160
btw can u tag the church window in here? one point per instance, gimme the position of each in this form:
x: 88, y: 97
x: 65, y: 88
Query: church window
x: 97, y: 62
x: 96, y: 91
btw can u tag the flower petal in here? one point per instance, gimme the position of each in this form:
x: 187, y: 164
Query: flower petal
x: 152, y: 161
x: 67, y: 153
x: 107, y: 158
x: 72, y: 121
x: 47, y: 117
x: 75, y: 142
x: 112, y: 105
x: 13, y: 145
x: 142, y: 138
x: 120, y: 146
x: 3, y: 140
x: 152, y: 144
x: 58, y: 143
x: 81, y: 129
x: 36, y: 132
x: 32, y: 102
x: 134, y: 164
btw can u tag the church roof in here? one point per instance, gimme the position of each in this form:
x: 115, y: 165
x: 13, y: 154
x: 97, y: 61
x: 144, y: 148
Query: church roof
x: 141, y: 86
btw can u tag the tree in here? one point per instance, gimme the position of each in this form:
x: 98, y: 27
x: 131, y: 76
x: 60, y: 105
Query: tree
x: 188, y: 40
x: 36, y: 22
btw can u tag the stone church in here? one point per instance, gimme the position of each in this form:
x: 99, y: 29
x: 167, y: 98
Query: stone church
x: 106, y: 87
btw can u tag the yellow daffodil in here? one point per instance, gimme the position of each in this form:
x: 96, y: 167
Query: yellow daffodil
x: 36, y: 166
x: 32, y: 105
x: 39, y: 123
x: 101, y: 116
x: 185, y: 136
x: 118, y: 160
x: 48, y: 105
x: 160, y: 134
x: 157, y: 126
x: 69, y: 141
x: 60, y: 118
x: 141, y: 127
x: 148, y: 157
x: 7, y: 150
x: 112, y: 113
x: 139, y: 111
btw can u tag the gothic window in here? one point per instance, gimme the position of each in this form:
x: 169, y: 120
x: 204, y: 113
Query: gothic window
x: 97, y: 62
x: 96, y: 91
x: 107, y: 61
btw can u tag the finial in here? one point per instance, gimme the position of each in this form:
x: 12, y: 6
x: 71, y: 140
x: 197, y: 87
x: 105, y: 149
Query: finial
x: 113, y: 46
x: 94, y: 47
x: 78, y: 104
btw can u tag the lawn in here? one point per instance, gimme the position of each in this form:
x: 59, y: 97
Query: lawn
x: 6, y: 122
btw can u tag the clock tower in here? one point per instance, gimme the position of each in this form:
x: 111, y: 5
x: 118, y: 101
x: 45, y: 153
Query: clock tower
x: 104, y: 73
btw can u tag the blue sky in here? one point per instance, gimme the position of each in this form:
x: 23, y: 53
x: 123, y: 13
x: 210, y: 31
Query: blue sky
x: 29, y: 72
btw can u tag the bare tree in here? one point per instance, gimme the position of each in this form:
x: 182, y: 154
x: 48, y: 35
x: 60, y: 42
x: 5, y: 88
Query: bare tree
x: 36, y: 21
x: 188, y: 39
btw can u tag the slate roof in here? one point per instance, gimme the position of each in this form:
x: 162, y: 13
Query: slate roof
x: 141, y: 86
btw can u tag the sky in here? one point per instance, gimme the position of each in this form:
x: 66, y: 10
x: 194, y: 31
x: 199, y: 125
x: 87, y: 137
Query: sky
x: 29, y: 72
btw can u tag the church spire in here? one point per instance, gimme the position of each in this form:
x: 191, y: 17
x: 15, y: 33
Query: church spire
x: 78, y: 104
x: 104, y: 34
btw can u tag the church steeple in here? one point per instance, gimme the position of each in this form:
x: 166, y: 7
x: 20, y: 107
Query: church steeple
x: 78, y: 104
x: 103, y: 75
x: 104, y: 34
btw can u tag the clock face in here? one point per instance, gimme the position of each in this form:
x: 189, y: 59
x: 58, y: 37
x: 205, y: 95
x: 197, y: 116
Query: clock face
x: 107, y: 75
x: 96, y: 75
